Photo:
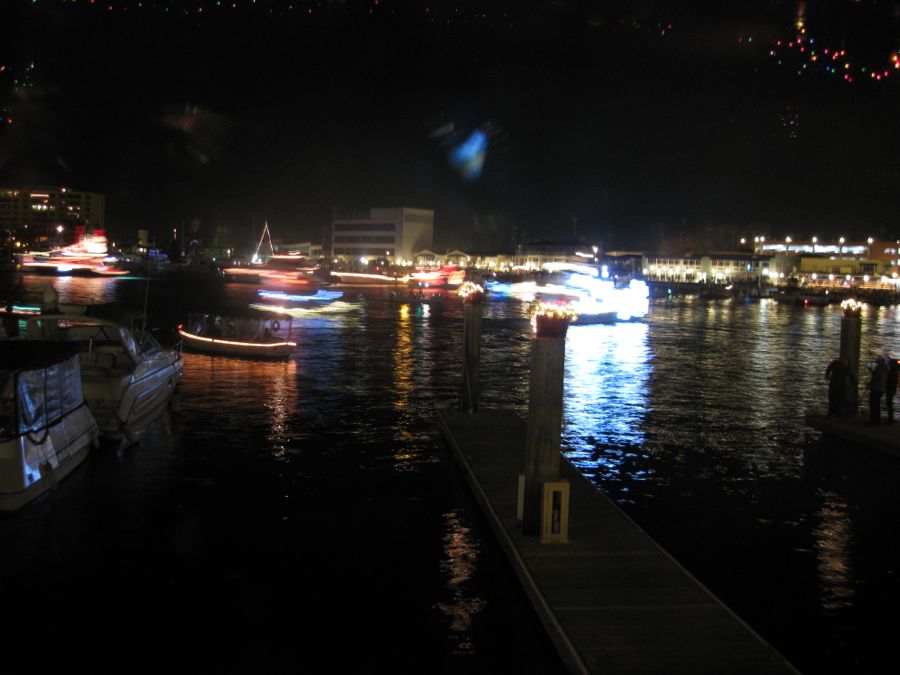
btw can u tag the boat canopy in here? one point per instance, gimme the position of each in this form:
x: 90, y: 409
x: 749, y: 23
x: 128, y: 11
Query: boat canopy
x: 86, y: 332
x: 40, y: 383
x: 248, y: 325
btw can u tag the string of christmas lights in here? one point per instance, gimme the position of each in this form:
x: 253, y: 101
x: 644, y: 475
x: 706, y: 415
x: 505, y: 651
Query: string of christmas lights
x: 806, y: 55
x: 15, y: 82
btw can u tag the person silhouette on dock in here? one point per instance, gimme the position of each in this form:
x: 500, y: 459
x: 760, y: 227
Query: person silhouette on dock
x: 10, y: 322
x: 839, y: 377
x: 877, y: 386
x: 893, y: 372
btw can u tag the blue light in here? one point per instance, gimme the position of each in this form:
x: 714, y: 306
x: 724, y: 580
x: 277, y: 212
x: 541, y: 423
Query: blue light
x: 468, y: 156
x: 320, y: 295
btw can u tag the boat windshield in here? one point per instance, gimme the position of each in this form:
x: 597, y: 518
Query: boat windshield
x: 149, y: 345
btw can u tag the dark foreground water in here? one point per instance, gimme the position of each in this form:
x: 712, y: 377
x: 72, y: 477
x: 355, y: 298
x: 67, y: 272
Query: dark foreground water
x: 305, y: 516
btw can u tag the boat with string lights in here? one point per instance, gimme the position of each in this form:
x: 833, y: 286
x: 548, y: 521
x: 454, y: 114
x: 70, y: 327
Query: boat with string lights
x: 86, y: 257
x: 264, y: 335
x: 367, y: 279
x: 320, y: 296
x: 293, y: 268
x: 595, y: 299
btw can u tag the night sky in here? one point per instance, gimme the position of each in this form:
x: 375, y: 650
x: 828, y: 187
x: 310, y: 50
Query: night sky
x: 620, y: 123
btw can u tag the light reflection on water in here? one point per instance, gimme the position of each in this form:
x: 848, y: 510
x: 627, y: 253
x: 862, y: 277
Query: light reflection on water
x: 405, y: 452
x: 833, y: 537
x: 607, y: 373
x: 461, y: 553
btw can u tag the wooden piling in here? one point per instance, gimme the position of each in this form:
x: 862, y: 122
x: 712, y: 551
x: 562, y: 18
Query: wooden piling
x: 468, y: 400
x: 851, y: 329
x: 544, y: 425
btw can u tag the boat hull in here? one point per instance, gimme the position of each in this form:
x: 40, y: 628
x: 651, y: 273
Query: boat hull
x: 31, y: 468
x: 593, y: 319
x: 256, y: 350
x: 125, y: 407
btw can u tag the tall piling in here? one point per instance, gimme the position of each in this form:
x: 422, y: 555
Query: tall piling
x: 544, y: 424
x: 851, y: 330
x: 468, y: 398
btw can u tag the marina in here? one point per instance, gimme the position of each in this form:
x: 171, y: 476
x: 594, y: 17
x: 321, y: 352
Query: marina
x: 644, y: 423
x: 380, y: 337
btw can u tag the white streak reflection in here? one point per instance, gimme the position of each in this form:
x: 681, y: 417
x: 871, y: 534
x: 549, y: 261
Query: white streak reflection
x: 832, y: 543
x: 607, y: 373
x: 281, y: 403
x: 405, y: 453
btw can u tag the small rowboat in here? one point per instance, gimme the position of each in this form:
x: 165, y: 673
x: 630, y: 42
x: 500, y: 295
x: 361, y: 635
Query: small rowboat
x: 260, y: 338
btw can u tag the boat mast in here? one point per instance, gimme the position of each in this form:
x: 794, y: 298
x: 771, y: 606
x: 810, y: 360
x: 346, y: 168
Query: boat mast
x: 265, y: 233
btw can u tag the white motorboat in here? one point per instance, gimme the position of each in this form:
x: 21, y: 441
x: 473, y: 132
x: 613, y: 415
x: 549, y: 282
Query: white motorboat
x: 128, y: 379
x: 46, y: 428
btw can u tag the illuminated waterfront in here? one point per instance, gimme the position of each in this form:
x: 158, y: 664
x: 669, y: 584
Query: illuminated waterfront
x: 277, y: 476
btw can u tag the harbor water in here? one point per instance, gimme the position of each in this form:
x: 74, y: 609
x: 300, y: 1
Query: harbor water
x: 291, y: 513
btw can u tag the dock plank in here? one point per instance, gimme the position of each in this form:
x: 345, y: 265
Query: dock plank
x: 612, y: 600
x: 882, y: 437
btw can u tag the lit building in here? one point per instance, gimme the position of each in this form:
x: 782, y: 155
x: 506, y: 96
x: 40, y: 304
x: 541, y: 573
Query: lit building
x: 534, y: 255
x: 41, y: 210
x: 395, y: 233
x: 710, y: 268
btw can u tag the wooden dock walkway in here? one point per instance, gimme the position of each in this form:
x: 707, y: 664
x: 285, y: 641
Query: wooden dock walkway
x: 882, y: 437
x: 611, y: 599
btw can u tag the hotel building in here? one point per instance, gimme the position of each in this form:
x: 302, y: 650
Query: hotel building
x: 393, y: 233
x: 35, y: 213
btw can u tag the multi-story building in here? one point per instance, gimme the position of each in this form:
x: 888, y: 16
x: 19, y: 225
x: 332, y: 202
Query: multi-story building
x: 36, y: 213
x: 393, y: 233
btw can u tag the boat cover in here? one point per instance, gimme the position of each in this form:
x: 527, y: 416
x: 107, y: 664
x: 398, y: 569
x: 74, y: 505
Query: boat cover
x: 44, y: 420
x: 40, y: 383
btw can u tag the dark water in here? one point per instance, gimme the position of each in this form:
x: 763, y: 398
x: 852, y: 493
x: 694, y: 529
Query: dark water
x: 308, y: 510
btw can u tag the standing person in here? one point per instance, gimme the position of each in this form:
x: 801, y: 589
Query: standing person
x: 877, y: 386
x: 893, y: 371
x: 836, y: 374
x: 10, y: 323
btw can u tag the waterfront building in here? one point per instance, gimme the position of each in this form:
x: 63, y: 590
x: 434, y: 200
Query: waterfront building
x: 840, y: 259
x: 489, y: 262
x: 427, y: 257
x: 721, y: 267
x: 303, y: 248
x: 40, y: 214
x: 495, y: 263
x: 395, y: 234
x: 534, y: 255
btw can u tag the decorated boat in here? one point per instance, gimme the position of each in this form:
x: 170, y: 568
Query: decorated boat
x: 263, y: 335
x: 46, y: 427
x: 128, y: 378
x: 321, y: 295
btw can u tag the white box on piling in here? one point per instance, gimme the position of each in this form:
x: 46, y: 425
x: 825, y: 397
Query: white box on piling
x: 555, y: 513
